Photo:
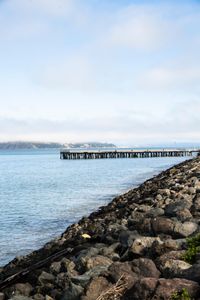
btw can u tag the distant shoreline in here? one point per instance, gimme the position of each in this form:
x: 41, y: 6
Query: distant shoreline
x: 51, y: 145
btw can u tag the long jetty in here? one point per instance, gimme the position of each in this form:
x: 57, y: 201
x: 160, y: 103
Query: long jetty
x: 115, y: 153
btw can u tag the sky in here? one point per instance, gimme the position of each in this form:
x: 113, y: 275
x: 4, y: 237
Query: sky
x: 121, y: 71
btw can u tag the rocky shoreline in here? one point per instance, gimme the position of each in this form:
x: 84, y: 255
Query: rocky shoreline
x: 136, y: 247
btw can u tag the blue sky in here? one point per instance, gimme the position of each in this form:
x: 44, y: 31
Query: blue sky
x: 93, y: 70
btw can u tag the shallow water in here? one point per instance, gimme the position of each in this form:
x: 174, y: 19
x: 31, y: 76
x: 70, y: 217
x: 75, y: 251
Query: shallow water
x: 40, y: 195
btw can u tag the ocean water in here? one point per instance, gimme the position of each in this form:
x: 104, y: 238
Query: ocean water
x: 40, y: 195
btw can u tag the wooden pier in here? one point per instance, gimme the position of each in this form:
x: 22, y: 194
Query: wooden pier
x: 103, y: 154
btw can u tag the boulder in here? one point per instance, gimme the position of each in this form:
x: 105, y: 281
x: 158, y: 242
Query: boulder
x: 185, y: 229
x: 69, y: 266
x: 164, y: 192
x: 172, y: 208
x: 159, y: 197
x: 145, y: 267
x: 196, y: 204
x: 55, y: 267
x: 92, y: 251
x: 191, y: 190
x: 167, y: 287
x: 109, y: 251
x: 173, y: 267
x: 137, y: 217
x: 168, y: 245
x: 143, y: 208
x: 73, y: 292
x: 162, y: 225
x: 142, y: 289
x: 62, y: 280
x: 144, y: 226
x: 119, y: 269
x: 155, y: 212
x: 141, y: 245
x: 127, y: 237
x: 192, y: 273
x: 46, y: 278
x: 96, y: 287
x: 85, y: 278
x: 169, y: 255
x: 184, y: 215
x: 24, y: 289
x: 98, y: 260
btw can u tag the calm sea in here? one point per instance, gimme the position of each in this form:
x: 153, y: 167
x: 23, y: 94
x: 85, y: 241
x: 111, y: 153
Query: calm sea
x: 40, y: 195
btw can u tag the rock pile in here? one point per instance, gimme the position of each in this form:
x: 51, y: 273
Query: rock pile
x: 134, y: 248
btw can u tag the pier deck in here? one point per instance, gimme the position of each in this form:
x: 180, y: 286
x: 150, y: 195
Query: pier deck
x: 115, y: 153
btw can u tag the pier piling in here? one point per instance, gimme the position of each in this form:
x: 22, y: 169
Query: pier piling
x: 105, y: 154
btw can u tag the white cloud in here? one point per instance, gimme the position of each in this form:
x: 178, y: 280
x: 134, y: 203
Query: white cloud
x: 75, y: 73
x: 49, y: 7
x: 23, y: 29
x: 175, y: 78
x: 181, y: 122
x: 35, y: 18
x: 136, y: 32
x: 140, y: 27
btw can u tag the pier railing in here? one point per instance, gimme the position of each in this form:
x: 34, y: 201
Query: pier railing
x: 102, y: 154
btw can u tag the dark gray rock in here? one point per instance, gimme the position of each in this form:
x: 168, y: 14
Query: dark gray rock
x: 155, y: 212
x: 192, y: 273
x: 85, y: 278
x: 55, y: 267
x: 119, y: 269
x: 46, y: 277
x: 143, y: 288
x: 172, y: 208
x: 127, y: 237
x: 145, y: 267
x: 73, y: 292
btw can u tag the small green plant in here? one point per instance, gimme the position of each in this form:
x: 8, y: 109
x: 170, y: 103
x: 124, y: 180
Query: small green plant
x: 182, y: 295
x: 193, y: 247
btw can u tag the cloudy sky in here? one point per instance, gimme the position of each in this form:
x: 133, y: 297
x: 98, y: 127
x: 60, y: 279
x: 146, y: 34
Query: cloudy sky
x: 122, y: 71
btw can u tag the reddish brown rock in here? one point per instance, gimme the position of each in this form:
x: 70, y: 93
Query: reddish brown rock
x: 162, y: 225
x: 144, y: 288
x: 119, y: 269
x: 145, y: 267
x: 98, y: 260
x: 167, y: 287
x: 96, y: 287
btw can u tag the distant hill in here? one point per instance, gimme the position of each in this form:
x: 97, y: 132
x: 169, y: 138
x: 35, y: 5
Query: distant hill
x: 37, y: 145
x: 90, y: 145
x: 28, y: 145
